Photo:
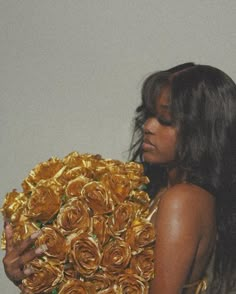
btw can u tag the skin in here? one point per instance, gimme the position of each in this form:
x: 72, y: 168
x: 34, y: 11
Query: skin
x: 184, y: 222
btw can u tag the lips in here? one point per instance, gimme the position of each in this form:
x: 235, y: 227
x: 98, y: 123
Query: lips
x: 147, y: 145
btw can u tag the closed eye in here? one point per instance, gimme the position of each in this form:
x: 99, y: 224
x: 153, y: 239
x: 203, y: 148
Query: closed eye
x: 164, y: 121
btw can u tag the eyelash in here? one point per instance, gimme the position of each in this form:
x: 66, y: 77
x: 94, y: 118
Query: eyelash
x: 164, y: 122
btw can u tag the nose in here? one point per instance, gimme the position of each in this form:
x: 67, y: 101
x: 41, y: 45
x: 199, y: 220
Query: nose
x: 149, y: 125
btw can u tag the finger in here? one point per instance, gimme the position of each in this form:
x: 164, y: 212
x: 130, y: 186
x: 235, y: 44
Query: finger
x: 30, y: 255
x: 8, y: 236
x: 28, y: 242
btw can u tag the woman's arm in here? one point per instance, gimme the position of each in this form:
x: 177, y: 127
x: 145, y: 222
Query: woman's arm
x: 178, y: 227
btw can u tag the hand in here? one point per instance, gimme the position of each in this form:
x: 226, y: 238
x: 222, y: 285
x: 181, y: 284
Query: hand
x: 17, y: 257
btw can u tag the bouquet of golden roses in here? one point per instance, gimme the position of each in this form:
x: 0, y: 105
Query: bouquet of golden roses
x: 93, y: 214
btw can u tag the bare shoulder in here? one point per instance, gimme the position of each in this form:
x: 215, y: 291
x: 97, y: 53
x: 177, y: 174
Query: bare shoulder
x: 186, y: 196
x: 187, y: 205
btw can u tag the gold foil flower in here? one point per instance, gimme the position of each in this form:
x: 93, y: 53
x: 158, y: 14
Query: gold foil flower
x: 101, y: 281
x: 97, y: 197
x: 122, y: 217
x: 85, y: 254
x: 131, y: 283
x: 75, y: 186
x: 143, y: 264
x: 93, y: 214
x: 73, y: 217
x: 55, y: 241
x: 42, y: 171
x: 116, y: 256
x: 74, y: 286
x: 14, y: 205
x: 45, y: 201
x: 47, y: 275
x: 141, y: 233
x: 101, y: 229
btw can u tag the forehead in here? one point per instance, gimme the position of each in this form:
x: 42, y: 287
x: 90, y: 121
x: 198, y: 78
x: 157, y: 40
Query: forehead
x: 163, y: 100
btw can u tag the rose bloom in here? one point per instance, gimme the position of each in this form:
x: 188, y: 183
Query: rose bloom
x: 69, y: 272
x: 70, y: 174
x: 118, y: 184
x: 74, y: 159
x: 116, y: 256
x: 131, y: 283
x: 143, y: 264
x: 135, y: 173
x: 141, y: 198
x: 109, y: 166
x: 97, y: 198
x: 73, y: 217
x: 55, y: 241
x: 45, y: 200
x: 122, y: 217
x: 134, y: 168
x: 85, y: 254
x: 14, y: 205
x: 141, y: 233
x: 47, y: 275
x: 75, y: 186
x: 42, y: 171
x: 101, y: 281
x: 101, y: 228
x: 21, y: 231
x: 74, y: 286
x: 111, y: 290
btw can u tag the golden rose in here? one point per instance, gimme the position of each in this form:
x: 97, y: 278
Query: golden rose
x: 21, y: 231
x: 102, y: 282
x: 47, y: 275
x: 55, y: 241
x: 101, y: 228
x: 75, y: 186
x: 73, y: 216
x: 74, y: 159
x: 45, y: 201
x: 97, y: 197
x: 74, y: 286
x: 143, y: 264
x: 111, y: 290
x: 70, y: 272
x: 141, y: 233
x: 85, y: 254
x: 42, y: 171
x: 122, y: 217
x: 131, y: 283
x: 119, y: 185
x: 142, y: 199
x: 116, y: 256
x: 14, y: 205
x: 134, y: 168
x: 109, y: 166
x: 135, y: 172
x: 70, y: 174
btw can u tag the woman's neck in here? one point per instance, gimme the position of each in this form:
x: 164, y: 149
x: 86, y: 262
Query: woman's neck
x: 172, y: 177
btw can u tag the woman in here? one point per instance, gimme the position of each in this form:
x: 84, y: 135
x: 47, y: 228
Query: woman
x: 185, y: 132
x: 185, y: 135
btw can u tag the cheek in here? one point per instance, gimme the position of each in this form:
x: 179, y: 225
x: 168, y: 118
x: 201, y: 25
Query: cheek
x: 168, y: 143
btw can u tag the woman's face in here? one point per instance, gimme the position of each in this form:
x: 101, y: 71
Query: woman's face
x: 160, y: 136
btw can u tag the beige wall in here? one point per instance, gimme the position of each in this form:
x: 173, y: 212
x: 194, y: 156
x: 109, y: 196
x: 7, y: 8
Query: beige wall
x: 71, y: 71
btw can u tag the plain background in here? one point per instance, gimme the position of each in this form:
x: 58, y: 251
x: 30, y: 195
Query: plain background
x: 71, y: 72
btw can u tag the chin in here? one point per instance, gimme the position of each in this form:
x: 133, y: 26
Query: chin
x: 149, y: 158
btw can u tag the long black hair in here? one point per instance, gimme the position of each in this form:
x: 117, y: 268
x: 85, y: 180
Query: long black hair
x: 203, y: 107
